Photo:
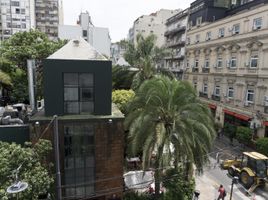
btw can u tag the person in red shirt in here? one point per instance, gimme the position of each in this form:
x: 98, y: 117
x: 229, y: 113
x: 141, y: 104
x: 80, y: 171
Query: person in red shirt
x: 222, y: 193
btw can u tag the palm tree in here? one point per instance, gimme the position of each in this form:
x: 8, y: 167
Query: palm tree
x: 169, y: 124
x: 145, y: 56
x: 5, y: 78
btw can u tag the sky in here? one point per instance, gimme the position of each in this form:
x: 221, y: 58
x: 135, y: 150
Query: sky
x: 116, y: 15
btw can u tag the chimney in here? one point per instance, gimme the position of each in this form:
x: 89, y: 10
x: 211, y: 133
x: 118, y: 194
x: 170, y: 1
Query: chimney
x: 31, y: 83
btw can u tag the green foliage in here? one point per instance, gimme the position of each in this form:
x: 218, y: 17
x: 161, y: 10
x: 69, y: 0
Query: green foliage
x: 230, y: 130
x: 167, y: 113
x: 34, y: 169
x: 243, y: 134
x: 177, y: 187
x: 5, y: 78
x: 22, y: 46
x: 136, y: 196
x: 121, y: 98
x: 145, y: 55
x: 262, y: 145
x: 122, y: 78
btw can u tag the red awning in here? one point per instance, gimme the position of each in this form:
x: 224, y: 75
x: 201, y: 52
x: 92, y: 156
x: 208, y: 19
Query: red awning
x: 212, y: 106
x: 239, y: 116
x: 265, y: 123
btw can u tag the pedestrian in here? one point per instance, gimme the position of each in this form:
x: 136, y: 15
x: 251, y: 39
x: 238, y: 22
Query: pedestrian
x: 222, y: 193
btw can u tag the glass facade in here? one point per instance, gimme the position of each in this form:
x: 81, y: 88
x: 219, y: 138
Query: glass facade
x: 78, y: 93
x: 79, y: 160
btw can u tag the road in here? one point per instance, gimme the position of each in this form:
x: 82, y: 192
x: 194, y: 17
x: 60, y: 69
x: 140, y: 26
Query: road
x: 208, y: 183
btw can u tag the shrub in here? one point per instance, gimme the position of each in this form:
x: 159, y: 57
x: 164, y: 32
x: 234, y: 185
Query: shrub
x: 135, y: 196
x: 243, y: 134
x: 230, y: 130
x: 121, y: 98
x: 262, y: 145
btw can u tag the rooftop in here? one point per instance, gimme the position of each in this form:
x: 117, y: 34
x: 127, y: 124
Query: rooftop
x: 77, y: 49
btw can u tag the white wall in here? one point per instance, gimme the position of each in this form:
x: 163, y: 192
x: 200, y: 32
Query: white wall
x: 101, y: 40
x: 68, y: 32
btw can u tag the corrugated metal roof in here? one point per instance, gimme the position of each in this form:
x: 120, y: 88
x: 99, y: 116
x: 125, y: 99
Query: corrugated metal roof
x: 77, y: 49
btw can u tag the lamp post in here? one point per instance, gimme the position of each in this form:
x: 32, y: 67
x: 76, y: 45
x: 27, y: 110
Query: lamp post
x: 234, y: 181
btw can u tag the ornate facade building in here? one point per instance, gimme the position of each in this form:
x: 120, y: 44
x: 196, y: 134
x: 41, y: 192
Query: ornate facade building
x: 227, y: 62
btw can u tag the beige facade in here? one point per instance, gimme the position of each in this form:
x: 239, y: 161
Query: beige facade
x: 151, y: 24
x: 227, y: 61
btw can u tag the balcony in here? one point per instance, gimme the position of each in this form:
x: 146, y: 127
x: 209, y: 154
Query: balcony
x: 175, y: 30
x: 215, y: 97
x: 203, y: 94
x: 205, y: 70
x: 176, y: 43
x: 195, y: 69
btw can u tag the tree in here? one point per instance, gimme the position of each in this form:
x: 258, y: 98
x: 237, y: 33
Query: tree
x: 243, y: 134
x: 168, y: 122
x: 121, y: 98
x: 122, y: 78
x: 145, y: 56
x: 23, y: 46
x: 34, y: 170
x: 5, y: 78
x: 262, y: 145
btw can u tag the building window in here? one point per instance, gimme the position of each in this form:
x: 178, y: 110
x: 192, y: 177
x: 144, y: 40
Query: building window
x: 78, y: 93
x: 197, y: 38
x: 22, y: 11
x: 217, y: 91
x: 230, y: 93
x: 205, y: 88
x: 208, y: 35
x: 219, y: 62
x: 250, y: 96
x: 236, y: 29
x: 207, y: 63
x: 254, y: 61
x: 188, y: 40
x: 17, y: 11
x: 221, y: 32
x: 15, y: 3
x: 257, y: 23
x: 84, y: 33
x: 198, y: 21
x: 79, y: 160
x: 196, y: 63
x: 233, y: 62
x: 195, y: 85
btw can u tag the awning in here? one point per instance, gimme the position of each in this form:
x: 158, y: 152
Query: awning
x: 212, y: 106
x: 239, y: 116
x: 265, y: 123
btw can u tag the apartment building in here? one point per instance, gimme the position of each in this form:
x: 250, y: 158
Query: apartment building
x: 227, y: 56
x: 98, y: 37
x: 175, y: 41
x: 15, y: 16
x: 47, y: 17
x: 151, y: 24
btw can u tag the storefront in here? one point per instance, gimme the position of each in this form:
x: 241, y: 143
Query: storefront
x: 212, y: 109
x: 236, y: 119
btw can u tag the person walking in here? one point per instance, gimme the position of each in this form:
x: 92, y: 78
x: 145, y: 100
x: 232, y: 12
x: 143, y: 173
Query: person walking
x: 222, y: 193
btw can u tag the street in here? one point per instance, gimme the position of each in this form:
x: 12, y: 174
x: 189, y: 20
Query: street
x: 209, y: 182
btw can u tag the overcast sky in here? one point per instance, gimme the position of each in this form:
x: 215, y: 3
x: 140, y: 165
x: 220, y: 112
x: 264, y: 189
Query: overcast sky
x: 117, y: 15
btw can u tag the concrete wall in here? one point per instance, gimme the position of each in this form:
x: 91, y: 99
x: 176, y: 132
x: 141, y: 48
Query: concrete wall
x: 68, y: 32
x: 101, y: 40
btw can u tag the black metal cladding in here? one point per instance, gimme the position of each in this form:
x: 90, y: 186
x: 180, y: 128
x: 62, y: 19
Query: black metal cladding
x: 54, y: 87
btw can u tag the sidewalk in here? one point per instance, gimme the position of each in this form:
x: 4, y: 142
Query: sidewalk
x: 207, y: 188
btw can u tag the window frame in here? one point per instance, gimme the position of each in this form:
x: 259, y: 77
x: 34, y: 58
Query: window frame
x: 221, y: 32
x: 205, y: 88
x: 217, y: 88
x: 257, y: 26
x: 232, y: 61
x: 219, y: 60
x: 230, y: 89
x: 252, y: 58
x: 236, y: 29
x: 208, y: 35
x: 197, y: 38
x: 250, y: 92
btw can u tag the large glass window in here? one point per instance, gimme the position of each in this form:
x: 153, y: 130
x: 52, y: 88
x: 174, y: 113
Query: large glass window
x: 217, y: 91
x: 79, y: 160
x: 78, y: 93
x: 219, y: 62
x: 230, y: 93
x: 236, y: 29
x: 233, y: 62
x: 257, y: 23
x: 205, y: 88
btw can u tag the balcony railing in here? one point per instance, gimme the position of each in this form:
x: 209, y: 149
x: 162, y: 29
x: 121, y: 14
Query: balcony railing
x: 215, y: 97
x: 205, y: 70
x: 203, y: 94
x: 175, y: 30
x: 195, y: 69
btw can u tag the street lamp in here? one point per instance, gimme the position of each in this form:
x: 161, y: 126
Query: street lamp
x: 234, y: 181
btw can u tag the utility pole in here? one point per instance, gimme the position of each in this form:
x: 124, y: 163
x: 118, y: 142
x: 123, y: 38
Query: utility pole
x: 235, y: 179
x: 57, y: 157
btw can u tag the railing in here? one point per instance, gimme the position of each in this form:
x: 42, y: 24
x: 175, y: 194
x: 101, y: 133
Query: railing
x: 245, y: 6
x: 215, y: 97
x: 202, y: 94
x: 205, y: 70
x: 195, y: 69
